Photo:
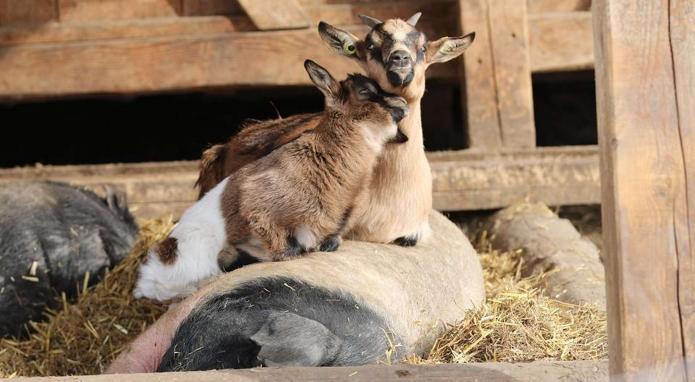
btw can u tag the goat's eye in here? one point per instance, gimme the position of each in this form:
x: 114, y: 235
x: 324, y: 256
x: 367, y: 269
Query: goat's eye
x: 349, y: 48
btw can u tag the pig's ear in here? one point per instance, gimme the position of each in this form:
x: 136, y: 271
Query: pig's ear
x: 116, y: 200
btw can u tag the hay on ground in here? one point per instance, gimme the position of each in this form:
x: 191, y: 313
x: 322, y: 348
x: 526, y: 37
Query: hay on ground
x: 88, y: 333
x: 517, y: 323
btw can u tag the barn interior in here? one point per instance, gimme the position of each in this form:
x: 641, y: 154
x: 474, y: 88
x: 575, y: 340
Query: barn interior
x: 152, y: 112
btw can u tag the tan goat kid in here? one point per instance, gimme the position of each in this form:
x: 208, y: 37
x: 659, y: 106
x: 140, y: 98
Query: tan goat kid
x: 399, y: 200
x: 294, y: 200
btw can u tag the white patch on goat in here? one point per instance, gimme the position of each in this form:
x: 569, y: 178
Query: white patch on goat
x: 306, y: 237
x: 375, y: 134
x: 200, y: 235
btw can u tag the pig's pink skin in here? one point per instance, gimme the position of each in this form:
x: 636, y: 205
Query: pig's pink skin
x: 145, y: 352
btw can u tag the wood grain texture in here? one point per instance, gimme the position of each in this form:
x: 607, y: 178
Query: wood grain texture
x: 682, y: 39
x: 166, y: 63
x: 272, y: 15
x: 644, y: 73
x: 543, y: 371
x: 97, y: 10
x: 497, y: 69
x: 561, y: 41
x: 487, y: 180
x: 478, y: 86
x: 32, y: 12
x: 510, y: 50
x: 462, y: 180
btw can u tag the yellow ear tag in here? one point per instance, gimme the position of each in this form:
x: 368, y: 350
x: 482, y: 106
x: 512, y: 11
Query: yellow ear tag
x: 348, y: 48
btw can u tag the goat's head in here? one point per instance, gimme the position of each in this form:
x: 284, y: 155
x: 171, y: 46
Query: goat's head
x: 395, y: 53
x: 360, y: 100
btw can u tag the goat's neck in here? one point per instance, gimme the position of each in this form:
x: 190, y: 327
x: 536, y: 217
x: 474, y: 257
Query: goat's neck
x: 411, y: 126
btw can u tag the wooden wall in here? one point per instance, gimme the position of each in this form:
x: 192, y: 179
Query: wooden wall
x: 52, y: 48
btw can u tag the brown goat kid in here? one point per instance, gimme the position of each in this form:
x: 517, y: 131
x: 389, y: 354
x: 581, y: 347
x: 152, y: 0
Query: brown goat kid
x: 296, y: 199
x: 399, y: 199
x: 299, y: 197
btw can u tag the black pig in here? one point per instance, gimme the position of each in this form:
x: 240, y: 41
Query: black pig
x: 51, y: 235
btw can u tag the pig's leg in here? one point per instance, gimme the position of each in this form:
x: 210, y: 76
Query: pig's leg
x: 145, y: 353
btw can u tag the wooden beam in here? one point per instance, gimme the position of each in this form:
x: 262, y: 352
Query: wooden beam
x: 561, y: 41
x: 179, y: 62
x: 542, y: 371
x: 645, y: 88
x: 272, y: 15
x: 554, y: 176
x: 498, y: 100
x: 463, y: 180
x: 136, y: 56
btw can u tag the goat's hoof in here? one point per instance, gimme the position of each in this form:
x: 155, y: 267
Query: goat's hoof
x: 406, y: 241
x: 331, y: 244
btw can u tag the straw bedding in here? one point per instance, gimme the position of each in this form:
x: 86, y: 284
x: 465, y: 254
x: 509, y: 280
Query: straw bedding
x: 517, y: 323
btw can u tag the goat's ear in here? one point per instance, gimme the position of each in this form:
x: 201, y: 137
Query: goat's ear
x: 323, y: 80
x: 341, y: 41
x: 448, y: 48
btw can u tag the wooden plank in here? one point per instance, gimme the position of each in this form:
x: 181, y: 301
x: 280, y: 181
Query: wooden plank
x: 462, y: 180
x: 478, y: 89
x: 561, y: 41
x: 97, y: 10
x: 510, y: 51
x: 498, y: 100
x: 168, y: 63
x: 439, y: 20
x: 543, y: 371
x: 644, y: 88
x: 545, y: 6
x: 27, y: 12
x: 554, y: 176
x: 273, y: 15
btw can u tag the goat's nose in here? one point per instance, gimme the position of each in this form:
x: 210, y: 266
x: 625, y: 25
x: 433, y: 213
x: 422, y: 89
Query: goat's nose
x: 400, y: 58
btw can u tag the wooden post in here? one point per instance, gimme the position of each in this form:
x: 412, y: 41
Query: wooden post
x: 496, y: 83
x: 645, y: 87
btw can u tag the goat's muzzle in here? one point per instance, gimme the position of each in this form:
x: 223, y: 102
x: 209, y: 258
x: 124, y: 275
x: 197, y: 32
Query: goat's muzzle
x: 399, y: 68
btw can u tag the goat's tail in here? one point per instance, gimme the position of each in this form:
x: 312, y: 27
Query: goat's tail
x: 212, y: 169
